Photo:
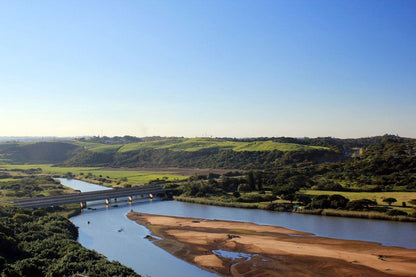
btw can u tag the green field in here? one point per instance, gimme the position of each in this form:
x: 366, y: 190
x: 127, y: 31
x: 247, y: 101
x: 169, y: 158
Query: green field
x: 133, y: 176
x: 195, y: 144
x: 377, y: 196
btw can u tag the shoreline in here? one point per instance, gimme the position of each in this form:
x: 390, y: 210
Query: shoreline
x: 232, y: 248
x: 319, y: 212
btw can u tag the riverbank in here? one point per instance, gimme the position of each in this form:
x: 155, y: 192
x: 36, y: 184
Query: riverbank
x: 233, y: 248
x: 284, y: 208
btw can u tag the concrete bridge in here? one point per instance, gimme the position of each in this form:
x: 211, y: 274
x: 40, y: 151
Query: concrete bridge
x: 83, y: 197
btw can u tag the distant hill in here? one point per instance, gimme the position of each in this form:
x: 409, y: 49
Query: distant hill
x: 38, y: 152
x: 250, y: 153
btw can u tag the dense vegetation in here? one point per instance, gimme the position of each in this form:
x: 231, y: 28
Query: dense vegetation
x: 386, y: 166
x: 168, y: 152
x: 259, y: 153
x: 38, y: 152
x: 33, y: 243
x: 18, y: 183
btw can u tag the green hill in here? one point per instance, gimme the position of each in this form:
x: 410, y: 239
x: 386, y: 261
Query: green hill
x: 251, y: 153
x: 197, y: 144
x: 38, y: 152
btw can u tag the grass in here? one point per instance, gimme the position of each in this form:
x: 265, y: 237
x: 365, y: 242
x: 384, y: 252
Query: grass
x: 7, y: 180
x: 98, y: 147
x: 195, y: 144
x: 377, y: 196
x: 205, y: 201
x: 45, y: 189
x: 358, y: 214
x: 271, y: 145
x: 133, y: 177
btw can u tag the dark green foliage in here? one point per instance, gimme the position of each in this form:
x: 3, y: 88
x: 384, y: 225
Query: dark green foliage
x: 32, y: 186
x: 303, y: 199
x: 279, y: 207
x: 205, y: 158
x: 200, y: 189
x: 40, y: 152
x: 389, y: 163
x: 396, y: 213
x: 88, y: 158
x: 335, y: 201
x: 255, y: 197
x: 34, y: 244
x: 251, y: 181
x: 390, y: 200
x: 244, y: 187
x: 361, y: 205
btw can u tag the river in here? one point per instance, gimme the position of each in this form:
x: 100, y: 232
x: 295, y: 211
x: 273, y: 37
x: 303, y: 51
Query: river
x: 131, y: 248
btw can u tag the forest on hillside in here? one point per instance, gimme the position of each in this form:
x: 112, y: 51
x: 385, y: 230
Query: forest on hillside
x: 228, y: 153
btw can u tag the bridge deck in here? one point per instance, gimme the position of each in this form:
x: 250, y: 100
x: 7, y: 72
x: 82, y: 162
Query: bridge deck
x: 39, y: 202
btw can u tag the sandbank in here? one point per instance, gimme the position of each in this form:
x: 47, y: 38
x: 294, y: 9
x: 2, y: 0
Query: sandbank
x: 231, y: 248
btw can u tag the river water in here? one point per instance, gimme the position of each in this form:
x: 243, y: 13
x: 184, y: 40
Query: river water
x: 131, y: 248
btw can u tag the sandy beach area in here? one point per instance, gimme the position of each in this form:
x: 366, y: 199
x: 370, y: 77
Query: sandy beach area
x: 232, y: 248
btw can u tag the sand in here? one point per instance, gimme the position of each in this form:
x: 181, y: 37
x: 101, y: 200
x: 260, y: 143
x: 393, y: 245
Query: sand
x: 271, y: 250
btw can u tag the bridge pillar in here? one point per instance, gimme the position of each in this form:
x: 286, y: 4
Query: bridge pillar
x: 107, y: 201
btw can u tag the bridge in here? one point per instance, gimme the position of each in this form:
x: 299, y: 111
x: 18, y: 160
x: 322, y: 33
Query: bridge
x: 83, y: 197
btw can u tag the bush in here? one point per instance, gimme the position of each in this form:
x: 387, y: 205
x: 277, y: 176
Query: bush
x: 279, y: 207
x: 244, y: 187
x: 361, y: 204
x: 255, y: 197
x: 21, y: 218
x: 396, y: 213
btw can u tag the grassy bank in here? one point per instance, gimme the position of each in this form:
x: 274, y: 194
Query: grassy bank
x: 205, y: 201
x: 358, y: 214
x: 322, y: 212
x: 376, y: 196
x: 104, y: 176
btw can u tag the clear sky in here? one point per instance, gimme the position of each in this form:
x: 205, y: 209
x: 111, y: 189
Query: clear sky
x: 208, y: 68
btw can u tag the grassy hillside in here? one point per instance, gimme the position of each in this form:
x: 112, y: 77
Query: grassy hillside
x: 165, y: 152
x: 197, y: 144
x: 250, y: 153
x: 38, y: 152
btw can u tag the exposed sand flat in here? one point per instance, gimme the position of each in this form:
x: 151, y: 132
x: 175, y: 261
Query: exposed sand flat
x: 275, y: 251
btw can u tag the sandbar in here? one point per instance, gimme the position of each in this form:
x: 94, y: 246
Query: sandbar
x: 231, y: 248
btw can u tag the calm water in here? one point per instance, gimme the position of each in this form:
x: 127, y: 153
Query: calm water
x: 131, y: 249
x: 80, y: 185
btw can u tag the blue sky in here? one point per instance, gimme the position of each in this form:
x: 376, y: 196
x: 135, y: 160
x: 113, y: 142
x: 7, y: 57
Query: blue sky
x: 208, y: 68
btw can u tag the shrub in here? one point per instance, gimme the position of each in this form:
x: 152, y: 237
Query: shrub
x: 396, y: 212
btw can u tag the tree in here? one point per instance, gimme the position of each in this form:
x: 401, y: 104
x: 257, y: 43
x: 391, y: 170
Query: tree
x: 251, y: 180
x: 413, y: 201
x: 337, y: 201
x: 361, y: 204
x: 244, y: 188
x: 320, y: 202
x: 390, y: 200
x: 303, y: 199
x: 290, y: 197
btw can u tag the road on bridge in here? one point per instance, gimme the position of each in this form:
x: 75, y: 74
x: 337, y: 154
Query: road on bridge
x: 82, y: 197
